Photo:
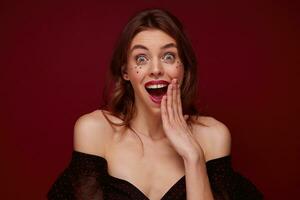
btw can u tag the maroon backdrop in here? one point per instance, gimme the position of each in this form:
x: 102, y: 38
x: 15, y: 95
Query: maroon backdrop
x: 54, y: 55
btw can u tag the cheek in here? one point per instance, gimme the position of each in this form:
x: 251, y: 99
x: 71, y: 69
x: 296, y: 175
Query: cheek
x: 176, y: 71
x: 136, y: 73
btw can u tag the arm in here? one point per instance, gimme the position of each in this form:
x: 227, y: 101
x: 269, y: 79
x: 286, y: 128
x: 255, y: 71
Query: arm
x: 228, y: 184
x: 197, y: 183
x: 186, y: 145
x: 217, y: 144
x: 223, y: 182
x: 82, y: 179
x: 89, y: 136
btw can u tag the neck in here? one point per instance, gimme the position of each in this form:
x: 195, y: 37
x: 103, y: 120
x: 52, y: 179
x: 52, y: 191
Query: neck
x: 148, y: 122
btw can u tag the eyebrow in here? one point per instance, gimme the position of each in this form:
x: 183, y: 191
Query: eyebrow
x: 166, y: 46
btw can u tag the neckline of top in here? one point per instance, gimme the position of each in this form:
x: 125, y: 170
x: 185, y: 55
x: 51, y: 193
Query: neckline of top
x: 134, y: 188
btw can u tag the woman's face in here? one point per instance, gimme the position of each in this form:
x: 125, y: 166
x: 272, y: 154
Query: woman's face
x: 153, y: 61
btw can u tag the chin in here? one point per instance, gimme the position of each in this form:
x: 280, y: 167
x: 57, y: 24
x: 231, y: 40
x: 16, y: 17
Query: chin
x: 152, y: 107
x: 155, y: 111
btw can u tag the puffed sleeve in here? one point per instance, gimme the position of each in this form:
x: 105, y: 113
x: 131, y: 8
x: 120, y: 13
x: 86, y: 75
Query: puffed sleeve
x: 227, y: 184
x: 82, y: 179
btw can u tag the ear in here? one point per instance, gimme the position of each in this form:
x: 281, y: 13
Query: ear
x: 124, y: 73
x: 125, y: 76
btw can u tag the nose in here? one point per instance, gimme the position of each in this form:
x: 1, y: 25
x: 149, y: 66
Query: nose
x: 156, y: 69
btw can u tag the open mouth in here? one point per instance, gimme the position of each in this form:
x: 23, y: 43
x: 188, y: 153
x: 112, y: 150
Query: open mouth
x: 157, y: 91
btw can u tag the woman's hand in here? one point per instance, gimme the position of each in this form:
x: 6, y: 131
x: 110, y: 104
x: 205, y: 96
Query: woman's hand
x: 175, y: 126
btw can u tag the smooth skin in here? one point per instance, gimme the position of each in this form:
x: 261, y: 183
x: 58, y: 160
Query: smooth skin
x: 185, y: 144
x: 169, y: 148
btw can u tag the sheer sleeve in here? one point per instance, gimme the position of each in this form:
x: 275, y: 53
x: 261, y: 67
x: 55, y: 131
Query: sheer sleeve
x: 227, y: 184
x: 82, y: 179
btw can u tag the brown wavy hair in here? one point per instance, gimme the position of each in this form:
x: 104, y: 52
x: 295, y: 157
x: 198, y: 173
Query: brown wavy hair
x: 119, y: 94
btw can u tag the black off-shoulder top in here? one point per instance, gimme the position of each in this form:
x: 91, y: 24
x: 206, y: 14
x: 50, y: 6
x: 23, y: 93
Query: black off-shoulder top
x: 87, y: 177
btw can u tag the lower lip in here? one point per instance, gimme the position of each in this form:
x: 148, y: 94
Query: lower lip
x: 155, y: 99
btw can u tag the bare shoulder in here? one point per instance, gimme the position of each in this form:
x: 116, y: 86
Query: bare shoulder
x: 213, y: 136
x: 92, y: 133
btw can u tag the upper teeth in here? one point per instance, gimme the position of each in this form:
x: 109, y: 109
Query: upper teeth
x: 156, y: 86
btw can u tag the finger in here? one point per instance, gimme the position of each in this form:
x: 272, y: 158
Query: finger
x: 174, y: 98
x: 169, y: 102
x: 185, y: 117
x: 164, y: 113
x: 179, y: 101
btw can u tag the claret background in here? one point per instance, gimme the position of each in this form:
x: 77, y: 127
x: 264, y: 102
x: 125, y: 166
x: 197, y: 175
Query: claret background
x: 53, y: 60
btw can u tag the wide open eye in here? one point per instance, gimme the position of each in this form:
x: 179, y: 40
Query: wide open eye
x: 141, y: 59
x: 169, y: 58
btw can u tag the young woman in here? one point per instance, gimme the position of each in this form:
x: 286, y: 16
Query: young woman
x: 150, y: 142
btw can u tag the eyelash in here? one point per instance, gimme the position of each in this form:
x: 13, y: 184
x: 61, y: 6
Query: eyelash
x: 169, y: 54
x: 140, y: 56
x: 147, y: 59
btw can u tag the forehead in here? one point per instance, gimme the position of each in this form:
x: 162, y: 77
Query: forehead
x: 152, y: 38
